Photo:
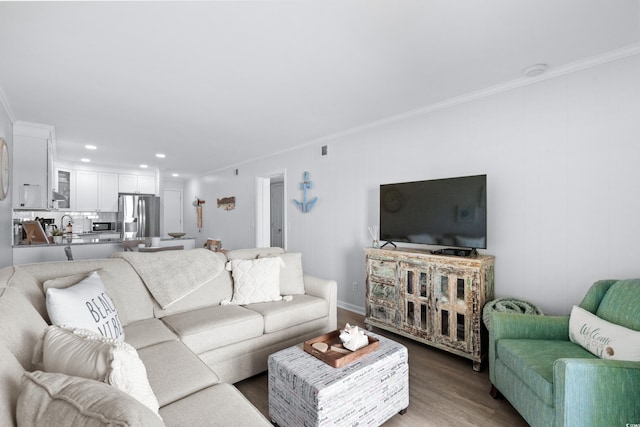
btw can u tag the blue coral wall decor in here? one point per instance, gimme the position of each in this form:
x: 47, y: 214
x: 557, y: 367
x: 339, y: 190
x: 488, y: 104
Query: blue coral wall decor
x: 305, y: 205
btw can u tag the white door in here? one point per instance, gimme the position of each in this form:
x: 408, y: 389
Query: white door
x: 264, y: 224
x: 172, y: 211
x: 277, y: 214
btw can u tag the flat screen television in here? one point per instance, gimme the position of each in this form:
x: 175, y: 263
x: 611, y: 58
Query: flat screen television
x: 442, y: 212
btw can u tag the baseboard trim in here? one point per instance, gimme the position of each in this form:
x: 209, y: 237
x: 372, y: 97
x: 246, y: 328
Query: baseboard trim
x: 351, y: 307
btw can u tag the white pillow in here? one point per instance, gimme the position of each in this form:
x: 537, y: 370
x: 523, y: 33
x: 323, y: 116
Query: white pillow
x: 255, y: 280
x: 85, y: 305
x: 291, y: 275
x: 604, y: 339
x: 61, y: 400
x: 82, y: 353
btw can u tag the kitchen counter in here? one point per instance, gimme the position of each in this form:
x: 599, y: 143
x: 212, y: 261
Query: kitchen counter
x: 98, y: 238
x: 86, y: 246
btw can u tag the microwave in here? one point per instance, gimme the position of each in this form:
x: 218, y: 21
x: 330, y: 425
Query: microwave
x: 104, y: 226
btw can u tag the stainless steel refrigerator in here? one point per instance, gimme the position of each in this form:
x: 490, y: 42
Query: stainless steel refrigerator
x: 138, y: 216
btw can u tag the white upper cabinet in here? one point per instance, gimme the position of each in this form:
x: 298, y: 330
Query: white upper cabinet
x: 32, y: 166
x: 108, y: 192
x: 96, y: 191
x: 86, y: 191
x: 130, y: 183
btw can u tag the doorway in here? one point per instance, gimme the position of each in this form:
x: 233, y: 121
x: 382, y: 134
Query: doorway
x: 172, y: 211
x: 271, y: 210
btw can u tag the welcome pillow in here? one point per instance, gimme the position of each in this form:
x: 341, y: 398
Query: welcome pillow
x: 255, y: 280
x: 604, y: 339
x: 82, y: 353
x: 85, y: 305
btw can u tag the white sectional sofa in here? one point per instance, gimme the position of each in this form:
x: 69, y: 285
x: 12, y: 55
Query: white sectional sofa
x: 193, y: 350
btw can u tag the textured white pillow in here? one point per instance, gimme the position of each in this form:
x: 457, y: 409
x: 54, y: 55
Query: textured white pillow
x: 85, y: 305
x: 82, y: 353
x: 54, y: 399
x: 604, y: 339
x: 291, y: 275
x: 255, y: 280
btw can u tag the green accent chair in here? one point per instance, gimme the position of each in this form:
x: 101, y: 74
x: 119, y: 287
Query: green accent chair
x: 551, y: 381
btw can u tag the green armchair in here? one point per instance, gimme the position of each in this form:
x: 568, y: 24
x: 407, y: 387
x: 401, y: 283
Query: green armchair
x: 550, y: 380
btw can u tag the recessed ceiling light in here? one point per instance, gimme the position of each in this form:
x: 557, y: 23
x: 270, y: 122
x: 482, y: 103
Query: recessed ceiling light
x: 144, y: 166
x: 534, y: 70
x: 90, y: 147
x: 160, y: 156
x: 85, y: 160
x: 175, y: 174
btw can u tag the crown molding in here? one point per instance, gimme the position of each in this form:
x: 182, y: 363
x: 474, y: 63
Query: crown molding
x: 7, y: 107
x: 583, y: 64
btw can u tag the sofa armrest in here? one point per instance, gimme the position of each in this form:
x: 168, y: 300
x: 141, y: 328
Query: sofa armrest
x: 328, y: 291
x: 524, y: 326
x: 596, y: 392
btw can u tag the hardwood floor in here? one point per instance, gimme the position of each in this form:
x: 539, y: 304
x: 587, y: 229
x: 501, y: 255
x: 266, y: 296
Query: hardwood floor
x: 444, y: 390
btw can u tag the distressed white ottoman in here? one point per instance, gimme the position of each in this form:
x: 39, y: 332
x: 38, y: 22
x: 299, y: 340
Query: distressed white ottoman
x: 305, y: 391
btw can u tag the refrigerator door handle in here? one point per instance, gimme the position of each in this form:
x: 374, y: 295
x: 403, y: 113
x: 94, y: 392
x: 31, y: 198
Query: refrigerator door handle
x: 143, y: 219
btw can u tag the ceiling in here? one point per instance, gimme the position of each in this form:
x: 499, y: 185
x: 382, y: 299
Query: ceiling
x: 214, y: 84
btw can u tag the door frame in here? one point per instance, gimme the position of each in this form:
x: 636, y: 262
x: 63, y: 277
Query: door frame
x: 263, y: 207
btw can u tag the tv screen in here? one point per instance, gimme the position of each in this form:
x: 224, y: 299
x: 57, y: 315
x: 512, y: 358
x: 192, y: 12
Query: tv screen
x: 442, y: 212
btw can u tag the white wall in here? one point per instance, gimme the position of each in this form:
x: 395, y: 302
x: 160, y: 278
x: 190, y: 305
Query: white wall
x: 561, y: 157
x: 6, y: 225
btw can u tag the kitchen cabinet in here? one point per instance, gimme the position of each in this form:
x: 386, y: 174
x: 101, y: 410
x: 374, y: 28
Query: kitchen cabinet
x: 96, y: 191
x: 32, y: 166
x: 107, y: 192
x: 86, y: 191
x: 434, y: 299
x: 142, y: 184
x: 64, y: 186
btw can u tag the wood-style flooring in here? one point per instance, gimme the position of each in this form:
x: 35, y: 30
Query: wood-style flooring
x: 444, y: 390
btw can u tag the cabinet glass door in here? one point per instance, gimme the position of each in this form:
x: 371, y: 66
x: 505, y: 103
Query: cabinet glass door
x: 64, y: 188
x: 416, y: 317
x: 454, y: 310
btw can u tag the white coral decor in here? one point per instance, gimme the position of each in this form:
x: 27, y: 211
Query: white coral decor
x: 353, y: 338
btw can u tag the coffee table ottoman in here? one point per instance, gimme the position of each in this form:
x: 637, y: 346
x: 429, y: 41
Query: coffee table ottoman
x: 305, y: 391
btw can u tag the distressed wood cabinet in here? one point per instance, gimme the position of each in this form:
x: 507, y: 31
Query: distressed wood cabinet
x: 434, y: 299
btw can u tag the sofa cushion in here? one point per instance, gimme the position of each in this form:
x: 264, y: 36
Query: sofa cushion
x: 532, y: 361
x: 291, y: 275
x: 125, y: 287
x: 603, y: 339
x: 219, y: 405
x: 144, y: 333
x: 620, y: 304
x: 21, y: 326
x: 174, y: 371
x: 210, y: 293
x: 10, y: 377
x: 82, y: 353
x: 83, y: 304
x: 58, y: 399
x: 282, y: 315
x: 212, y: 327
x: 252, y: 253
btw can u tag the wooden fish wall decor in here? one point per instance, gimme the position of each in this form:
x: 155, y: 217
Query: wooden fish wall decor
x: 305, y: 206
x: 227, y: 203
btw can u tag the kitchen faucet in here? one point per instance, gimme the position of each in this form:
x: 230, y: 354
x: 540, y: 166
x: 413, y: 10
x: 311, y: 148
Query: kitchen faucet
x: 62, y: 226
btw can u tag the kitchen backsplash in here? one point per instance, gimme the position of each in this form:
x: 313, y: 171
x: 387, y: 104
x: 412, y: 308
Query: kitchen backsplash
x: 81, y: 221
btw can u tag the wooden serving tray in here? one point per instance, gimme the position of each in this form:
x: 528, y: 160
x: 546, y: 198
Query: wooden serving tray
x: 335, y: 358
